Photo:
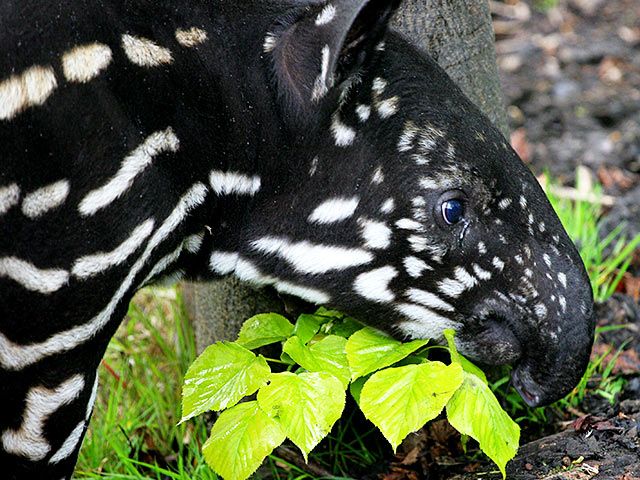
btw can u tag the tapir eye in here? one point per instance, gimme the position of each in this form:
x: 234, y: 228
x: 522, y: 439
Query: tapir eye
x: 452, y: 211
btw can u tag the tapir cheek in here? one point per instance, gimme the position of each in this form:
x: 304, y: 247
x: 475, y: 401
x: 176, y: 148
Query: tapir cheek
x: 495, y: 345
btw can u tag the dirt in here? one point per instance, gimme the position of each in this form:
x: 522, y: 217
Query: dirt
x: 571, y: 77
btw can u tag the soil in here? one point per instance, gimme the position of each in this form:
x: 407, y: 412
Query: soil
x: 571, y: 77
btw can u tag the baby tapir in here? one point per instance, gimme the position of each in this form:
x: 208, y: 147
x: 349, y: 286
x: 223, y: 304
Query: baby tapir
x: 292, y: 143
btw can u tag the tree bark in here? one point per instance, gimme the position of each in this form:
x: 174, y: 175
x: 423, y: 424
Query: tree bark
x: 458, y: 34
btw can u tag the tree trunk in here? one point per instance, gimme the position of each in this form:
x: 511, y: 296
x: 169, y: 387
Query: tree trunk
x: 459, y: 35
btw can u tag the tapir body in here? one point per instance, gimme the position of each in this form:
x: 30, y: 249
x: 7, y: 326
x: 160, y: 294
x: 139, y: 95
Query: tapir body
x: 294, y: 144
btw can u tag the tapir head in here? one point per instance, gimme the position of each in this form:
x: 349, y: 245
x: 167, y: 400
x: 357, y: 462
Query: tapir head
x: 405, y: 207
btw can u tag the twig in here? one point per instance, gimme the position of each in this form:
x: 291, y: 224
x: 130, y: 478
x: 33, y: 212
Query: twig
x: 296, y: 459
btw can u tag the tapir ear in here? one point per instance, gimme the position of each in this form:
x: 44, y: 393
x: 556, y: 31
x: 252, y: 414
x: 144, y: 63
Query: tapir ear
x: 323, y: 46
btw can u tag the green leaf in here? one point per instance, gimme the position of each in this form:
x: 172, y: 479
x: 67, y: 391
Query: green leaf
x: 474, y: 410
x: 240, y: 440
x: 220, y: 377
x: 467, y: 365
x: 307, y: 326
x: 264, y: 329
x: 328, y: 355
x: 355, y: 388
x: 401, y: 400
x: 344, y: 328
x: 369, y: 350
x: 307, y: 405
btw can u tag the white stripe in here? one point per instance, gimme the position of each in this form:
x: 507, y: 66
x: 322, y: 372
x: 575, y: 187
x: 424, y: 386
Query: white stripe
x: 481, y: 273
x: 388, y: 206
x: 15, y: 357
x: 415, y: 266
x: 306, y: 257
x: 40, y: 201
x: 306, y: 293
x: 29, y: 441
x: 132, y: 166
x: 163, y: 264
x: 228, y: 183
x: 191, y: 38
x: 69, y: 445
x: 92, y: 398
x: 408, y: 224
x: 424, y: 322
x: 428, y: 299
x: 374, y: 285
x: 31, y: 277
x: 334, y: 210
x: 96, y: 263
x: 223, y: 263
x: 327, y: 14
x: 451, y: 288
x: 464, y: 277
x: 32, y: 87
x: 320, y: 88
x: 9, y: 197
x: 388, y: 108
x: 145, y: 52
x: 85, y: 62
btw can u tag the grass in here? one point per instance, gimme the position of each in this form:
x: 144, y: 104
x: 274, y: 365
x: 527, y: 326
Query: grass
x: 134, y: 432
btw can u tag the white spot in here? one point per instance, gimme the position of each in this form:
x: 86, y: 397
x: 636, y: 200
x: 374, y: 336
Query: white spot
x: 270, y: 42
x: 481, y: 273
x: 388, y: 206
x: 29, y: 440
x: 191, y: 37
x: 380, y: 47
x: 547, y: 260
x: 69, y: 445
x: 234, y: 183
x: 425, y: 323
x: 405, y: 143
x: 504, y: 203
x: 343, y: 134
x: 563, y: 303
x: 19, y: 92
x: 314, y: 166
x: 528, y: 273
x: 40, y: 201
x: 523, y: 202
x: 306, y: 293
x: 562, y: 278
x: 417, y: 243
x: 541, y: 310
x: 498, y: 263
x: 451, y: 288
x: 415, y: 266
x: 132, y: 166
x: 83, y: 63
x: 379, y: 84
x: 223, y: 263
x: 334, y: 210
x: 193, y: 243
x: 15, y: 357
x: 387, y: 108
x: 378, y: 176
x: 530, y: 219
x: 320, y: 87
x: 519, y: 260
x: 431, y: 184
x: 556, y: 238
x: 542, y: 227
x: 363, y: 112
x: 306, y: 257
x: 31, y: 277
x: 96, y: 263
x: 144, y: 52
x: 482, y: 248
x: 376, y: 235
x: 9, y: 197
x: 409, y: 224
x: 428, y: 299
x: 374, y: 285
x: 327, y: 14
